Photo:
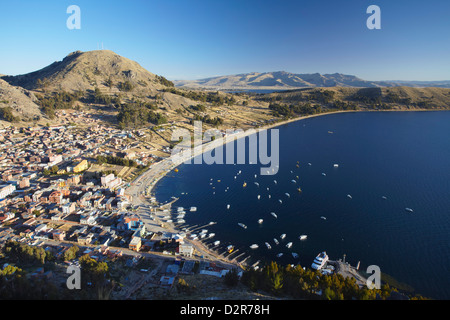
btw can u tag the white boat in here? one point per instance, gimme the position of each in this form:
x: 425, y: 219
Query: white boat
x: 349, y: 196
x: 336, y: 165
x: 193, y: 209
x: 289, y: 245
x: 309, y: 164
x: 204, y: 231
x: 323, y: 174
x: 211, y: 235
x: 268, y: 245
x: 274, y: 214
x: 287, y: 195
x: 303, y: 237
x: 256, y: 176
x: 275, y: 181
x: 283, y: 236
x: 295, y: 255
x: 275, y: 240
x: 384, y: 197
x: 293, y: 181
x: 179, y: 209
x: 257, y: 184
x: 228, y: 206
x: 280, y: 201
x: 180, y: 221
x: 320, y: 261
x: 259, y: 197
x: 409, y: 209
x: 254, y: 246
x: 279, y: 255
x: 242, y: 225
x: 270, y: 196
x: 260, y: 221
x: 216, y: 243
x: 324, y: 218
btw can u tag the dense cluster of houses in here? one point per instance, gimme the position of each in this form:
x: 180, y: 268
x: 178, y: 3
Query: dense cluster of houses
x: 45, y: 195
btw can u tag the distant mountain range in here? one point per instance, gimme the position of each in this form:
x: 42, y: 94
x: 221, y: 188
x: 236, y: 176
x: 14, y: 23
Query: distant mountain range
x: 282, y: 80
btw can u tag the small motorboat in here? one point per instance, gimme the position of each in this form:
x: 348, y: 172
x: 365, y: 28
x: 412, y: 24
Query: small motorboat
x: 260, y: 221
x: 275, y: 240
x: 274, y: 214
x: 303, y: 237
x: 289, y: 245
x: 254, y: 246
x: 283, y: 236
x: 268, y: 245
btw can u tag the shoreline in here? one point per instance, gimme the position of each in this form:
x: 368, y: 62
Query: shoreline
x: 208, y: 146
x: 167, y: 165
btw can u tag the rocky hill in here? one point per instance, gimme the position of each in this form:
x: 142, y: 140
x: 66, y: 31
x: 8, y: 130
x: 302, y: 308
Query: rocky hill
x: 20, y: 101
x: 89, y: 70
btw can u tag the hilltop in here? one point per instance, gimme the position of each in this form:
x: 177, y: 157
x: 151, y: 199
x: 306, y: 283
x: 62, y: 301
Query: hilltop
x: 282, y: 80
x: 87, y: 70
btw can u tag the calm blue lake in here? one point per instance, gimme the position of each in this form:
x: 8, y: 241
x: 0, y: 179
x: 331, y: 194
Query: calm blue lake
x: 388, y: 161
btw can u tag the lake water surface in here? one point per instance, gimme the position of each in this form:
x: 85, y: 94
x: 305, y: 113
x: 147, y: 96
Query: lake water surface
x: 388, y: 161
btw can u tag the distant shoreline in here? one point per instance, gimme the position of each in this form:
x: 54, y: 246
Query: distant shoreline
x: 208, y: 146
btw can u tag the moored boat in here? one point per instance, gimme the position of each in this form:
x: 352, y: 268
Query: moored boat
x: 320, y: 261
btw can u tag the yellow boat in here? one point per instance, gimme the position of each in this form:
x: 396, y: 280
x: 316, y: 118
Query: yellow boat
x: 176, y: 170
x: 245, y: 184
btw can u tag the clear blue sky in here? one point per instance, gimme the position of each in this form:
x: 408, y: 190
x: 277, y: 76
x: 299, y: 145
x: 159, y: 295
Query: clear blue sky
x: 190, y: 39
